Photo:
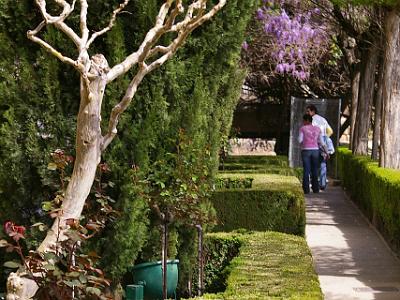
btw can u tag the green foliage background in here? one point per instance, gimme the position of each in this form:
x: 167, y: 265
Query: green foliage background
x: 39, y: 97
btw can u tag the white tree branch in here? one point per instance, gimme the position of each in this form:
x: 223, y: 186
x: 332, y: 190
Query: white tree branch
x: 110, y: 24
x: 150, y: 39
x: 186, y: 27
x: 67, y: 9
x: 31, y: 34
x: 69, y: 32
x: 83, y: 23
x: 147, y: 50
x: 179, y: 8
x: 59, y: 20
x: 190, y: 22
x: 122, y: 106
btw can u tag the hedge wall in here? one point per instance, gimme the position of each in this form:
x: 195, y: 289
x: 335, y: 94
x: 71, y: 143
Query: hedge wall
x: 375, y: 190
x: 278, y: 160
x: 273, y: 203
x: 270, y: 265
x: 257, y: 164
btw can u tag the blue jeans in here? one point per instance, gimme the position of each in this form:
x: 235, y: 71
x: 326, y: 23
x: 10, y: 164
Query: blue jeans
x: 310, y: 167
x: 322, y: 173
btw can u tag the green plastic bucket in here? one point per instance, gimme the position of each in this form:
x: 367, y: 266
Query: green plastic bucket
x: 150, y: 276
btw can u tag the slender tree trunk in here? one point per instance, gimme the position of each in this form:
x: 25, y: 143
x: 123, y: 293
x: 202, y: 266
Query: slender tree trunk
x: 365, y: 100
x: 378, y: 113
x: 355, y: 87
x: 350, y: 50
x: 281, y: 146
x: 390, y: 137
x: 88, y: 154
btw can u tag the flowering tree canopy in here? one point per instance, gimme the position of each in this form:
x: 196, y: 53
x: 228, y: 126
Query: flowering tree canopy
x: 297, y: 41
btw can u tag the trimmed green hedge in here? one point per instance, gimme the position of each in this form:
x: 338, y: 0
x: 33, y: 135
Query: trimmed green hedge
x: 279, y: 160
x: 257, y: 164
x: 219, y: 250
x: 375, y: 190
x: 273, y: 203
x: 257, y: 168
x: 270, y: 265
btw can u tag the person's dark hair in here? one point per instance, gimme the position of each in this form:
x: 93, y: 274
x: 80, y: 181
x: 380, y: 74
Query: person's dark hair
x: 307, y: 117
x: 312, y: 108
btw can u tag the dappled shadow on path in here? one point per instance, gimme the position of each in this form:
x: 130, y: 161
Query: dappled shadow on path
x: 350, y: 258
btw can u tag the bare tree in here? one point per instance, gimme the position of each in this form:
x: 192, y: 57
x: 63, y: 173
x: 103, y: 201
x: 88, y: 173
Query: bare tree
x: 176, y: 17
x: 390, y: 141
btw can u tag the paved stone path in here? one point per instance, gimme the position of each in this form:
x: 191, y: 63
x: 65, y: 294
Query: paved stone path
x: 350, y: 257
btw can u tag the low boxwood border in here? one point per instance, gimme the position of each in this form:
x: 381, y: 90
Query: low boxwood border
x: 270, y: 265
x: 273, y: 203
x: 278, y: 160
x: 257, y: 164
x: 375, y: 190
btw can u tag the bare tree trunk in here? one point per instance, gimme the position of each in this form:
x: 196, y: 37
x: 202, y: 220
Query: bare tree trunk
x: 378, y: 113
x: 355, y: 86
x: 390, y: 137
x: 281, y: 146
x: 365, y: 99
x: 88, y: 154
x: 349, y: 48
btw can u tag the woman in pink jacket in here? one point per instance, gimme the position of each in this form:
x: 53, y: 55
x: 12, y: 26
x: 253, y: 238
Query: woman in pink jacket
x: 310, y: 138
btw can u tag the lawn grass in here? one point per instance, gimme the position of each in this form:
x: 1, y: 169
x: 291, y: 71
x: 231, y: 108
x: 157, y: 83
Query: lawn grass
x: 271, y: 265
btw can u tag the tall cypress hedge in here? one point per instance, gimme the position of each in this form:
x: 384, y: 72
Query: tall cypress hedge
x: 196, y: 91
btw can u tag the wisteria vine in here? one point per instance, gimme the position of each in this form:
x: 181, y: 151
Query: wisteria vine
x: 297, y: 40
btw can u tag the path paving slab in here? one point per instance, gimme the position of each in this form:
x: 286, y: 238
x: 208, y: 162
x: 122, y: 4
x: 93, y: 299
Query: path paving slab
x: 350, y: 257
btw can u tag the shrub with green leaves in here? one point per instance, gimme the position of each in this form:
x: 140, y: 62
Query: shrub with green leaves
x: 375, y: 190
x: 271, y: 160
x: 231, y: 183
x: 257, y: 164
x: 219, y: 250
x: 274, y: 203
x: 270, y: 265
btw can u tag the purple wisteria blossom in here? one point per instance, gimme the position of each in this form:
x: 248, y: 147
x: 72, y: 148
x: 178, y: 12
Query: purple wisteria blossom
x: 296, y: 39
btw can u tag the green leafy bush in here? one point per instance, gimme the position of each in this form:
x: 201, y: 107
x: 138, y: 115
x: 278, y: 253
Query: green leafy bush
x: 375, y: 190
x: 219, y: 250
x: 231, y: 183
x: 270, y: 265
x: 279, y: 160
x: 257, y: 164
x: 274, y: 203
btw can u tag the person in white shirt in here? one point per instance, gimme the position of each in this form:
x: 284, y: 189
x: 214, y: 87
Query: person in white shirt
x: 326, y: 131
